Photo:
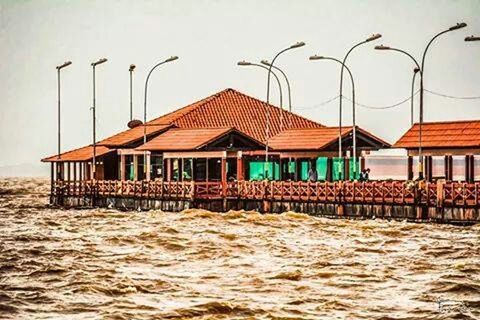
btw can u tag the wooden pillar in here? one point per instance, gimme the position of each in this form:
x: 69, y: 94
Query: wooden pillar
x: 169, y: 169
x: 224, y: 174
x: 206, y: 170
x: 448, y: 168
x: 346, y: 168
x: 75, y: 171
x: 240, y: 173
x: 472, y: 168
x: 410, y: 168
x: 469, y: 174
x: 147, y: 169
x: 122, y: 167
x: 135, y: 167
x: 428, y: 168
x: 362, y: 163
x: 297, y: 170
x: 467, y: 168
x: 60, y: 175
x: 329, y: 175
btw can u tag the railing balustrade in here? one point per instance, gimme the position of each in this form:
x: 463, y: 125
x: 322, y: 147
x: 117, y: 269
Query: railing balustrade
x: 371, y: 192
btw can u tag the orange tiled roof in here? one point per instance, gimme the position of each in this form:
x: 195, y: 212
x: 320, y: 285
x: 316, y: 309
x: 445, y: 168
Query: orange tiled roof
x: 80, y: 154
x: 184, y: 139
x: 230, y: 108
x: 448, y: 134
x: 132, y: 135
x: 314, y: 138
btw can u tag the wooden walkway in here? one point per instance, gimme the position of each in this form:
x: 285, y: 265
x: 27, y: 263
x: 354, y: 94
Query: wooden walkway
x: 448, y: 194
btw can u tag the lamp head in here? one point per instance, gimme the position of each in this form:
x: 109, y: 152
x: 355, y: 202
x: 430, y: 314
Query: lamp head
x: 472, y: 38
x: 265, y: 62
x: 382, y: 47
x: 316, y: 57
x: 244, y: 63
x: 65, y: 64
x: 132, y: 67
x: 297, y: 45
x: 99, y: 62
x: 374, y: 36
x: 458, y: 26
x: 172, y: 58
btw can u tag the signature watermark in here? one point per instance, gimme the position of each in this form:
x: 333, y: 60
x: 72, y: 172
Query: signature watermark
x: 448, y: 305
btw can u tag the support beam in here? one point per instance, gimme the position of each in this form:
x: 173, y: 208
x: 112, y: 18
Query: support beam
x: 135, y: 167
x: 428, y: 168
x: 240, y: 173
x: 206, y: 170
x: 329, y: 176
x: 410, y: 168
x: 224, y: 175
x: 75, y: 171
x: 346, y: 168
x: 148, y: 168
x: 472, y: 168
x: 169, y: 169
x: 122, y: 167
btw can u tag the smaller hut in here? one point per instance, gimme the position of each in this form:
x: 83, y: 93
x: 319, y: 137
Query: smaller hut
x: 444, y: 141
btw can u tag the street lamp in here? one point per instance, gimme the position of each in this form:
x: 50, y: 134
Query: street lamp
x: 172, y: 58
x: 316, y: 57
x: 369, y: 39
x: 65, y: 64
x: 246, y: 63
x: 94, y: 163
x: 472, y: 38
x: 265, y: 62
x: 422, y: 73
x: 267, y: 128
x: 132, y: 67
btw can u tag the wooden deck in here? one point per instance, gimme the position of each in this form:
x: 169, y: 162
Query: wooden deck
x: 449, y: 194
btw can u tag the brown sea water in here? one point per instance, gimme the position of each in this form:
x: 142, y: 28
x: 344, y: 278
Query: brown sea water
x: 107, y: 264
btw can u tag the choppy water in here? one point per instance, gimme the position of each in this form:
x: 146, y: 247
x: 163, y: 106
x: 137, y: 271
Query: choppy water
x: 106, y: 264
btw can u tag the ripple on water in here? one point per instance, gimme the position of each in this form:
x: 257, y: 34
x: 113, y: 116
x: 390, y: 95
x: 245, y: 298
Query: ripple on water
x: 197, y: 264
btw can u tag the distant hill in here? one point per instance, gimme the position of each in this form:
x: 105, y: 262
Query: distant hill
x: 25, y: 170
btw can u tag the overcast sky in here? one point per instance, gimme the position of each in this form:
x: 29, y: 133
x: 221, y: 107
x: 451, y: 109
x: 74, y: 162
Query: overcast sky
x: 210, y: 37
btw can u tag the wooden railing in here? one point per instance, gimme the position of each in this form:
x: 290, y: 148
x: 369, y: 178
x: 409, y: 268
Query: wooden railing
x: 372, y: 192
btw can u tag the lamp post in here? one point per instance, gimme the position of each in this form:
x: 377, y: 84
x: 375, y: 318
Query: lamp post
x: 267, y: 127
x: 172, y: 58
x: 265, y: 62
x: 246, y: 63
x: 316, y: 57
x: 369, y: 39
x: 94, y: 163
x: 422, y: 73
x: 60, y: 67
x: 415, y: 71
x: 132, y: 67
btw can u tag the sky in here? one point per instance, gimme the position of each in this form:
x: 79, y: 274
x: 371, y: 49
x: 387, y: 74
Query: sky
x: 210, y: 37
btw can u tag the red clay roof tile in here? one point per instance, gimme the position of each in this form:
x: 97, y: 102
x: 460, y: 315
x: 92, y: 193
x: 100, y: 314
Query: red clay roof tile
x: 128, y: 136
x: 314, y: 138
x: 448, y: 134
x: 184, y: 139
x: 80, y: 154
x: 230, y: 108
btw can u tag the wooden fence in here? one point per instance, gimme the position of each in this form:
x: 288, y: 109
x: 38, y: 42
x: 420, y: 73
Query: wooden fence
x: 453, y: 194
